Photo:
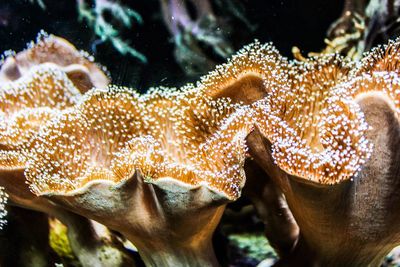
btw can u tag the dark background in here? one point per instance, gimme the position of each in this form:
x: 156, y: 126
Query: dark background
x: 301, y: 23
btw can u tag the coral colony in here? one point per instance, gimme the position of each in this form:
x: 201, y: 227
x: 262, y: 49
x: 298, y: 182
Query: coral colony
x: 159, y: 168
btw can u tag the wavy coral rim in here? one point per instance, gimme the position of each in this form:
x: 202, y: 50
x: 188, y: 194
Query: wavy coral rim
x: 115, y: 185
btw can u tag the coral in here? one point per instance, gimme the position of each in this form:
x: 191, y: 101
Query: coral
x: 315, y: 133
x: 191, y: 125
x: 267, y: 197
x: 249, y: 75
x: 354, y: 214
x: 78, y: 65
x: 26, y: 104
x: 118, y: 147
x: 381, y: 58
x: 317, y: 138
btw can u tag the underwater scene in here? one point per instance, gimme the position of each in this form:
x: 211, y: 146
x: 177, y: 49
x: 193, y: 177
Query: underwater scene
x: 199, y: 133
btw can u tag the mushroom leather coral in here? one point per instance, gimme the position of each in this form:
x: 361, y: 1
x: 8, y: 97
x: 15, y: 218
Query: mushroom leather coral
x: 316, y: 133
x: 248, y: 75
x: 79, y: 66
x: 353, y: 222
x: 309, y: 129
x: 25, y: 105
x: 298, y: 116
x: 381, y: 58
x: 159, y: 168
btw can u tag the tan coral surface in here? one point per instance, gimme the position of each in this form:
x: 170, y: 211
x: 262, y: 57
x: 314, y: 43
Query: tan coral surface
x: 26, y: 104
x: 115, y: 132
